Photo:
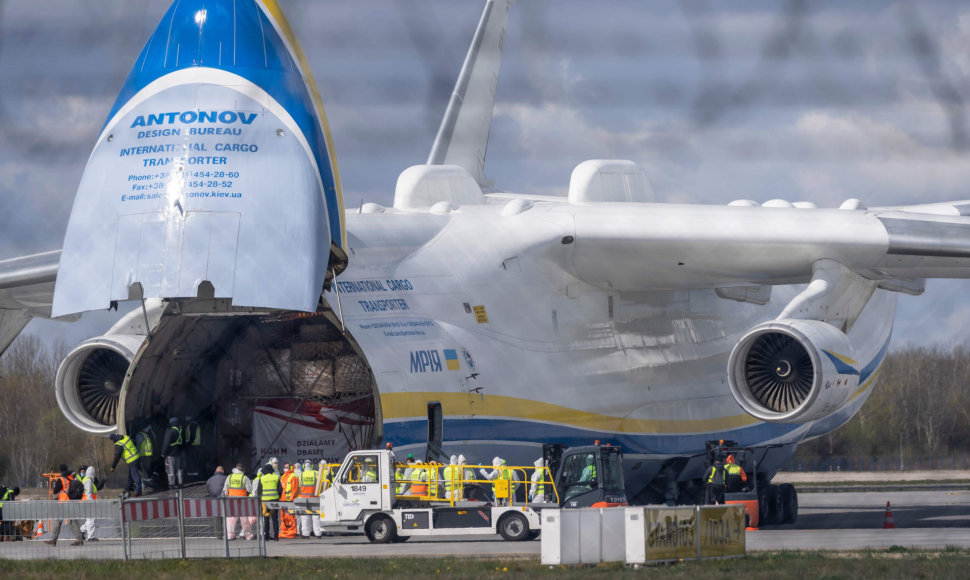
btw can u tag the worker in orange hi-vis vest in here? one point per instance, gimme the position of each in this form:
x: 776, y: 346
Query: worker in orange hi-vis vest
x: 291, y: 487
x: 308, y: 489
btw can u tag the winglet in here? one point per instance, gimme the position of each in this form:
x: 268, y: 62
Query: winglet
x: 463, y: 135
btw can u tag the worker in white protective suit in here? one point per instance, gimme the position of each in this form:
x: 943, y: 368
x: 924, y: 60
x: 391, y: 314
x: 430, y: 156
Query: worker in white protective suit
x: 90, y: 492
x: 514, y: 477
x: 453, y: 479
x: 297, y: 472
x: 498, y: 472
x: 537, y: 491
x: 467, y: 473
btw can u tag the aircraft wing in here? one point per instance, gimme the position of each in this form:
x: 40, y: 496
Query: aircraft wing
x: 26, y: 291
x: 666, y: 246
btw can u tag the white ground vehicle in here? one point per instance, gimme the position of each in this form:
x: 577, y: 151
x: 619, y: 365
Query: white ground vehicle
x: 362, y: 499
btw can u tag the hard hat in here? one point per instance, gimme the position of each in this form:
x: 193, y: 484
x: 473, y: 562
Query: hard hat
x: 173, y: 420
x: 496, y: 461
x: 461, y: 459
x: 274, y: 461
x: 730, y: 458
x: 453, y: 460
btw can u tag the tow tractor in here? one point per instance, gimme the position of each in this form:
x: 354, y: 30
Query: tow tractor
x: 362, y: 498
x: 764, y: 503
x: 367, y: 496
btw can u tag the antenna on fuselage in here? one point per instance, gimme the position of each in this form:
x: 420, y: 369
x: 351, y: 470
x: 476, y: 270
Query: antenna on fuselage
x: 463, y: 135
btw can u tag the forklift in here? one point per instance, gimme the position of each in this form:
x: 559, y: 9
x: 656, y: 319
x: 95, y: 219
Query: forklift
x: 587, y: 476
x: 765, y: 504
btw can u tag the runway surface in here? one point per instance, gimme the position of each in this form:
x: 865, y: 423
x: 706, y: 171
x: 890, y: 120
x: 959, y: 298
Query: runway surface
x: 826, y: 521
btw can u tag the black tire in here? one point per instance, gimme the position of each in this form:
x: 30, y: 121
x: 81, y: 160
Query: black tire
x: 772, y: 506
x: 513, y: 527
x: 762, y: 505
x: 534, y: 534
x: 381, y: 530
x: 789, y: 502
x: 401, y: 539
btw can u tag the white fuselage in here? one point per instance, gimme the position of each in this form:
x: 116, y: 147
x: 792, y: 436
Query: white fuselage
x: 480, y: 311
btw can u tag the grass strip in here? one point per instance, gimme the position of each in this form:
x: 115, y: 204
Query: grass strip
x: 896, y: 562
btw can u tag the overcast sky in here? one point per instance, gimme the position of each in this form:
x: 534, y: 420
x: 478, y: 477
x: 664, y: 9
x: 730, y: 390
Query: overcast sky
x: 817, y: 101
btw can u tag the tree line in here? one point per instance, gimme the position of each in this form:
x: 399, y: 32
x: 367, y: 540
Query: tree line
x: 920, y: 407
x: 34, y: 436
x: 921, y: 401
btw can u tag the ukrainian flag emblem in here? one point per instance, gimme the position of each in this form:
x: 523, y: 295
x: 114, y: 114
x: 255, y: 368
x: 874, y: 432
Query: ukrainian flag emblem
x: 451, y: 359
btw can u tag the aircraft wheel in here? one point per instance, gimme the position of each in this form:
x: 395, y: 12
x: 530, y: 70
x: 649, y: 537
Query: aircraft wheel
x: 762, y: 505
x: 514, y: 527
x: 773, y: 506
x: 381, y: 530
x: 789, y: 502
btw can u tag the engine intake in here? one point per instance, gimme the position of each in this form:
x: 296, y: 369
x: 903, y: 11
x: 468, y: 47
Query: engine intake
x: 90, y: 378
x: 792, y: 371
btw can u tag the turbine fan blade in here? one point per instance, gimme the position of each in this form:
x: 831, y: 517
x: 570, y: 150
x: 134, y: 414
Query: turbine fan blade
x: 99, y: 384
x: 779, y: 371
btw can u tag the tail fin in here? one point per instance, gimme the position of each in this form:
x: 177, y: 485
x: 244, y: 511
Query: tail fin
x: 463, y: 135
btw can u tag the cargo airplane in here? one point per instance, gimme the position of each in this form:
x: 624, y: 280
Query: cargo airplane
x: 504, y: 320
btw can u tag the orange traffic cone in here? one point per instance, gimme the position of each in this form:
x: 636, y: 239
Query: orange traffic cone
x: 888, y: 523
x: 40, y: 529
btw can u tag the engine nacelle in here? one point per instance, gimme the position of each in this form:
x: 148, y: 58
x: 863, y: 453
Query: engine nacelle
x: 792, y: 371
x: 89, y: 380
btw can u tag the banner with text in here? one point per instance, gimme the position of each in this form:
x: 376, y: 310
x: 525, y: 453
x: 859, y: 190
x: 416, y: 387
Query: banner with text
x: 294, y: 430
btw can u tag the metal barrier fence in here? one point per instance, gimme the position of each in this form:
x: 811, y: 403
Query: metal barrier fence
x: 145, y: 528
x: 436, y: 485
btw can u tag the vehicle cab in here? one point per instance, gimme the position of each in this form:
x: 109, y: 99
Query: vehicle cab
x: 364, y: 482
x: 588, y: 476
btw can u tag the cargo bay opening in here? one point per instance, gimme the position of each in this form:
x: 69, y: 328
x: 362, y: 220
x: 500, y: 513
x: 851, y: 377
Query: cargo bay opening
x: 289, y: 385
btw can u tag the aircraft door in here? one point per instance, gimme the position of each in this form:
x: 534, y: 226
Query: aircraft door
x: 435, y: 432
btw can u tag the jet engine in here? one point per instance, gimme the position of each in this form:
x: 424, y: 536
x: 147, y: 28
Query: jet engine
x: 792, y: 371
x: 89, y: 380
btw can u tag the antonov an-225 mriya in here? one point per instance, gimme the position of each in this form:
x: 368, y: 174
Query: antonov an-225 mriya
x: 212, y: 197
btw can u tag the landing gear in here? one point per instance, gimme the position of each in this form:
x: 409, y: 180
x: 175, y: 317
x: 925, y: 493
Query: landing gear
x: 777, y: 504
x: 789, y: 503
